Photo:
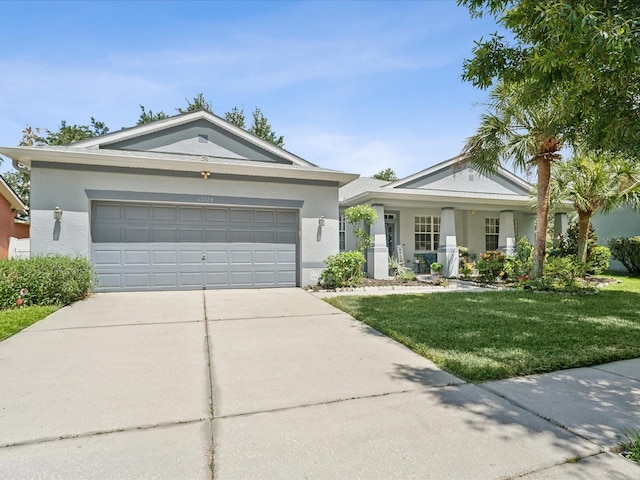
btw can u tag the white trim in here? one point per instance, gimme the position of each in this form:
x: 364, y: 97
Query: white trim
x: 450, y: 163
x: 189, y: 163
x: 159, y: 125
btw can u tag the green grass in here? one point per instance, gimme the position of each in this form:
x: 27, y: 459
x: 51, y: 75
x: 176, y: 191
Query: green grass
x: 14, y: 320
x: 495, y: 335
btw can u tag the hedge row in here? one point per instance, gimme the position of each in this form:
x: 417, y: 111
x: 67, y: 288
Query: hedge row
x: 44, y: 280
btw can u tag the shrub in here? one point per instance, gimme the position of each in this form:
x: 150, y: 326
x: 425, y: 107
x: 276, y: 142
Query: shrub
x: 44, y: 280
x: 467, y: 270
x: 564, y: 271
x: 598, y: 261
x: 435, y: 267
x: 567, y: 245
x: 521, y: 264
x: 491, y: 265
x: 344, y: 269
x: 627, y: 252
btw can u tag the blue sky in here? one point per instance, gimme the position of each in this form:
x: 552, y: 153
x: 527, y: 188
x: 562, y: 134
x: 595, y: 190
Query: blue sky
x: 354, y: 86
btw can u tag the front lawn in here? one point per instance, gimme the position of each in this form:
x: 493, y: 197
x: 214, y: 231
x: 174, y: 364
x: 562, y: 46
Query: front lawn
x: 14, y: 320
x: 495, y: 335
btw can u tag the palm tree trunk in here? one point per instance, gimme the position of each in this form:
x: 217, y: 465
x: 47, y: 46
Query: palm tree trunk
x: 542, y: 214
x: 583, y: 235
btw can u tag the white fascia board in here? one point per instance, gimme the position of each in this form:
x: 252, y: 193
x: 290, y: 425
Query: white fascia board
x: 159, y: 125
x: 427, y: 171
x: 121, y: 158
x: 11, y: 197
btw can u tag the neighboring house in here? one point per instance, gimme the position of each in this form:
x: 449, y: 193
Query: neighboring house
x: 623, y: 222
x: 12, y: 226
x: 431, y: 213
x: 183, y: 203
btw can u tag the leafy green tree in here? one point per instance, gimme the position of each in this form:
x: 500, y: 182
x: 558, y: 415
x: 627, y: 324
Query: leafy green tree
x: 235, y: 116
x: 388, y: 175
x: 583, y: 53
x: 595, y: 183
x: 262, y: 128
x: 527, y: 134
x: 64, y: 135
x: 199, y: 102
x: 19, y: 183
x: 148, y: 117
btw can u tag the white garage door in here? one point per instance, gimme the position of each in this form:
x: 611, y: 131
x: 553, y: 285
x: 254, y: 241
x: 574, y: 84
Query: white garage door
x: 138, y: 246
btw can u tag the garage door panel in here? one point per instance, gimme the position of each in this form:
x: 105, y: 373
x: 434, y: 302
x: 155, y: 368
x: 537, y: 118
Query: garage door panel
x: 167, y: 214
x: 133, y: 234
x: 265, y: 236
x: 217, y: 279
x: 146, y: 247
x: 191, y: 214
x: 265, y: 278
x: 166, y: 234
x: 191, y: 279
x: 241, y: 278
x: 137, y: 279
x: 240, y: 257
x: 107, y: 257
x: 165, y: 257
x: 136, y: 257
x: 219, y: 215
x: 240, y: 236
x: 165, y: 279
x: 217, y: 257
x: 136, y: 212
x: 190, y: 257
x: 216, y: 235
x: 237, y: 215
x: 190, y: 235
x: 264, y: 216
x: 264, y: 256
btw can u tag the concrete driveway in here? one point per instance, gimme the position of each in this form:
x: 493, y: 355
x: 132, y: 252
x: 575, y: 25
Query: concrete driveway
x: 262, y: 384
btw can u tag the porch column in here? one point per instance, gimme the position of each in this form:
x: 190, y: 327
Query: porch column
x: 378, y: 254
x: 560, y: 224
x: 506, y: 233
x: 448, y: 245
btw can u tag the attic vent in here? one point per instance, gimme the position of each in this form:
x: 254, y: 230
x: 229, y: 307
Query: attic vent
x: 202, y: 138
x: 471, y: 174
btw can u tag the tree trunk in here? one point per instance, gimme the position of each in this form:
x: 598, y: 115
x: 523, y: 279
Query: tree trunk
x: 542, y: 215
x: 583, y: 235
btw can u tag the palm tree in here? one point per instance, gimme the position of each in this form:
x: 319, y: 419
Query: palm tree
x: 595, y: 183
x: 524, y: 132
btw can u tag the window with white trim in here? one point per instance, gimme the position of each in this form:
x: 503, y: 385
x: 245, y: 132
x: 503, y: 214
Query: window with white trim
x: 342, y: 233
x: 426, y: 232
x: 491, y: 232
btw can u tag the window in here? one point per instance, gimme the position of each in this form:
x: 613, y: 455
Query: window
x: 492, y: 232
x: 342, y: 233
x: 426, y: 232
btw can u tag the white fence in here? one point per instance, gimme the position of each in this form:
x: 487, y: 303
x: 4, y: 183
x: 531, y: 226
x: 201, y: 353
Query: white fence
x: 19, y: 247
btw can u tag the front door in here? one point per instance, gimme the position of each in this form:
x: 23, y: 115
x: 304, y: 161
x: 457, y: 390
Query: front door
x: 390, y: 232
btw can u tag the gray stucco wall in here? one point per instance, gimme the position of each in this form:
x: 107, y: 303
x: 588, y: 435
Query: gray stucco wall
x: 52, y: 187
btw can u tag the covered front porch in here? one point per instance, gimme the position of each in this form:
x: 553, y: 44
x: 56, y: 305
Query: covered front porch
x: 420, y: 235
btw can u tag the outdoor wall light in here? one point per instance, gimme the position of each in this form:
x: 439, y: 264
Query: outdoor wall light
x: 57, y: 214
x: 321, y: 221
